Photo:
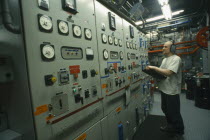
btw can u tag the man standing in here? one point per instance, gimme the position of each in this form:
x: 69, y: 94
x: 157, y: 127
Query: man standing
x: 170, y: 89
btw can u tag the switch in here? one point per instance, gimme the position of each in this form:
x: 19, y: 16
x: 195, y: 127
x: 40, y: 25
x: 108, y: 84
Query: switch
x: 106, y: 70
x: 84, y: 74
x: 116, y: 82
x: 79, y: 88
x: 74, y: 90
x: 93, y: 73
x: 123, y: 80
x: 87, y: 93
x: 123, y: 68
x: 94, y: 91
x: 129, y: 67
x: 120, y: 82
x: 119, y: 68
x: 49, y: 80
x: 77, y: 98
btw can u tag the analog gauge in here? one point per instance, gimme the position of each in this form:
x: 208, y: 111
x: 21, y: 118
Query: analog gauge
x: 121, y: 55
x: 115, y: 41
x: 47, y: 52
x: 63, y: 27
x: 120, y: 42
x: 106, y: 54
x: 104, y: 38
x: 88, y: 34
x: 129, y: 56
x: 110, y: 39
x: 127, y: 44
x: 77, y: 32
x: 131, y: 45
x: 45, y: 23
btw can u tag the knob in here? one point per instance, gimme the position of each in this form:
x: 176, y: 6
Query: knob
x: 93, y: 73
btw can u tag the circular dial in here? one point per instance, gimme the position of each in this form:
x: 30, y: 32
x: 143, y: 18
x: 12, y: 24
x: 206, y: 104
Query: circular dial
x: 127, y: 44
x: 104, y: 38
x: 131, y: 45
x: 88, y: 33
x: 121, y: 55
x: 106, y: 54
x: 63, y: 27
x: 110, y: 40
x: 115, y: 41
x: 129, y: 56
x: 77, y: 31
x: 120, y: 42
x: 45, y: 22
x: 48, y: 51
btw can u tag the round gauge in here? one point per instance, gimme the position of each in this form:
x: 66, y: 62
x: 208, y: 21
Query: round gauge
x: 106, y: 54
x: 131, y: 45
x: 88, y: 34
x: 115, y: 41
x: 129, y: 56
x: 110, y: 40
x: 104, y: 38
x: 120, y: 42
x: 77, y: 31
x: 48, y: 52
x: 121, y: 55
x: 63, y: 27
x: 127, y: 44
x: 45, y: 23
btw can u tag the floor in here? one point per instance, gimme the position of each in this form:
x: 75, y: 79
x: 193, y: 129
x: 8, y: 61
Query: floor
x: 196, y: 120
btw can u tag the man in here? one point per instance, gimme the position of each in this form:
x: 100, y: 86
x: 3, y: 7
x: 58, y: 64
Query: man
x: 170, y: 89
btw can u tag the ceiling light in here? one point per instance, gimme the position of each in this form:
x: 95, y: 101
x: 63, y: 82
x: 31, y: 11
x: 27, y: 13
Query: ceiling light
x: 166, y: 10
x: 163, y: 2
x: 158, y: 17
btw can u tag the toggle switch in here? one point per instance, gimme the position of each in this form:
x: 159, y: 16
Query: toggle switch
x: 49, y: 80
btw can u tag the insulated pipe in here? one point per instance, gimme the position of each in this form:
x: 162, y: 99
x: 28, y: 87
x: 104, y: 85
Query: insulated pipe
x: 7, y: 18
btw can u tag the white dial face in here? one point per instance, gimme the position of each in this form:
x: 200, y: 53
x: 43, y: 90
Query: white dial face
x: 63, y: 27
x: 120, y: 42
x: 115, y: 41
x: 77, y: 31
x: 121, y: 55
x: 131, y: 45
x: 104, y: 38
x: 127, y: 44
x: 110, y: 40
x: 128, y: 55
x: 48, y: 51
x: 45, y: 22
x: 88, y: 33
x: 106, y: 54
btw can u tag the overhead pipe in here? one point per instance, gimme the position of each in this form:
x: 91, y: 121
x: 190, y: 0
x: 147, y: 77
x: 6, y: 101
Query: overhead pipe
x: 179, y: 48
x: 189, y: 52
x: 184, y: 42
x: 174, y: 24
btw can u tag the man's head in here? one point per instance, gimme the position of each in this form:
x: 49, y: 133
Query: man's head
x: 166, y: 48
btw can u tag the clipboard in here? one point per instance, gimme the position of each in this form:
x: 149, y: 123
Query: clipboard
x: 154, y: 74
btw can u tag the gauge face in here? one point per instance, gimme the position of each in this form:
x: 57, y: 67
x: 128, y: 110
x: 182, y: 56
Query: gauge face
x: 129, y: 56
x: 131, y: 45
x: 115, y: 41
x: 47, y: 52
x: 121, y: 55
x: 77, y: 32
x: 63, y: 27
x: 127, y: 44
x: 88, y: 34
x: 104, y: 38
x: 120, y: 42
x: 110, y: 39
x: 45, y: 23
x: 105, y: 54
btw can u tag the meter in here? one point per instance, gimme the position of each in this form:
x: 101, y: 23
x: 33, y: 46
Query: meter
x: 77, y: 32
x: 63, y: 27
x: 105, y: 54
x: 88, y: 34
x: 47, y: 52
x: 45, y: 23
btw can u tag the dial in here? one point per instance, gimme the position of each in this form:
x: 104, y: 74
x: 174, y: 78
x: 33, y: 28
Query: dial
x: 47, y: 52
x: 127, y: 44
x: 110, y: 39
x: 88, y: 34
x: 106, y: 54
x: 77, y: 32
x: 121, y: 55
x: 131, y: 45
x: 63, y: 27
x: 120, y: 42
x: 104, y: 38
x: 129, y: 56
x: 45, y: 23
x: 115, y: 41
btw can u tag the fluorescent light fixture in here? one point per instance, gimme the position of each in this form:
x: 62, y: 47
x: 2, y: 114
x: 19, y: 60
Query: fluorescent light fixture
x: 163, y: 2
x: 166, y: 10
x: 158, y: 17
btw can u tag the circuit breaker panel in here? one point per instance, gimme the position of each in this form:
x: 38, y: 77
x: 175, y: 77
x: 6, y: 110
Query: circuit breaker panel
x: 60, y: 38
x: 111, y: 57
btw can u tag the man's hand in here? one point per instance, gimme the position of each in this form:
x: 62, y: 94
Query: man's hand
x: 150, y: 67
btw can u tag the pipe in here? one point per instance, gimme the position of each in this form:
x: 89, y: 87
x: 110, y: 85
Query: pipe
x: 179, y: 48
x: 189, y: 52
x: 112, y: 8
x: 174, y: 24
x: 175, y: 43
x: 7, y: 18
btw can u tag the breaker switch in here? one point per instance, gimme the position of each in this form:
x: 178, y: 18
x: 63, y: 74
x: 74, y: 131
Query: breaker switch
x: 87, y: 94
x: 129, y: 67
x: 93, y: 73
x: 119, y: 69
x: 106, y: 70
x: 84, y: 74
x: 120, y: 82
x: 123, y: 68
x: 116, y: 82
x: 49, y: 80
x: 94, y: 91
x: 78, y: 98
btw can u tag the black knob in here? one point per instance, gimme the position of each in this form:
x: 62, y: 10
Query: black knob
x: 94, y: 92
x: 93, y: 73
